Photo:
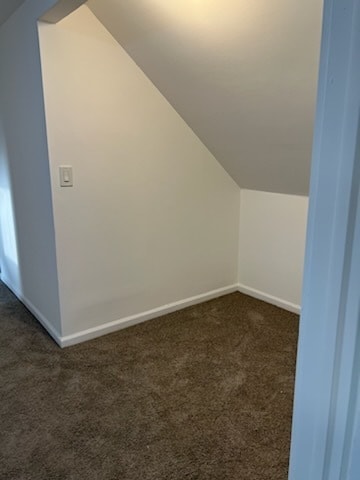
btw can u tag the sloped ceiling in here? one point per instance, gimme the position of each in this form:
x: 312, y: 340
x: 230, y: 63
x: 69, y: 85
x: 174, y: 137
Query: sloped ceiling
x: 242, y: 74
x: 7, y: 8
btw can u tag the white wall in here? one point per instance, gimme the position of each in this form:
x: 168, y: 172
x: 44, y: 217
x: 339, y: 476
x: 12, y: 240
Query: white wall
x: 28, y: 259
x: 272, y: 245
x: 152, y: 217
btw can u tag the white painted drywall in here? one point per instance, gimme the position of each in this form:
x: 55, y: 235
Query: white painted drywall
x: 242, y: 74
x: 28, y: 258
x: 272, y: 244
x: 152, y: 218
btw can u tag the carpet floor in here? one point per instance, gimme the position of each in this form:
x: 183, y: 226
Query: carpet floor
x: 205, y: 393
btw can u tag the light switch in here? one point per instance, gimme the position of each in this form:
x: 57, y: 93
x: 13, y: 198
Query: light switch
x: 66, y: 176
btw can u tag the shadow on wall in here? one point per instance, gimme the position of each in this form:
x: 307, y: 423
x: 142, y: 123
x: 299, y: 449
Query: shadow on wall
x: 9, y: 259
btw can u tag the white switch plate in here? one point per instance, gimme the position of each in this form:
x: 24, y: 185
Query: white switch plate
x: 66, y: 176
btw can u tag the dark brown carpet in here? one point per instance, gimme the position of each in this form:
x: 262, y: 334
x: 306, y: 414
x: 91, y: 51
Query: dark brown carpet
x: 205, y: 393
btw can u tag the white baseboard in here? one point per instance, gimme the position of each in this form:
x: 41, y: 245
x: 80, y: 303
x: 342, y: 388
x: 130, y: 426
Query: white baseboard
x: 37, y: 314
x: 279, y: 302
x: 110, y: 327
x: 84, y: 335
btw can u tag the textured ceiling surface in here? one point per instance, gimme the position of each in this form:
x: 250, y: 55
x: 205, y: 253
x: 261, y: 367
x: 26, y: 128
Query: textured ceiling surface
x: 7, y: 8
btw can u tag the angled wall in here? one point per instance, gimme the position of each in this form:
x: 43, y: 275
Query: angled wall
x: 241, y: 73
x: 153, y: 218
x: 152, y: 222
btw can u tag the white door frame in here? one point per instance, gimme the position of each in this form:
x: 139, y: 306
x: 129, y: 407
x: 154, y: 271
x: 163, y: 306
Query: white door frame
x: 326, y: 421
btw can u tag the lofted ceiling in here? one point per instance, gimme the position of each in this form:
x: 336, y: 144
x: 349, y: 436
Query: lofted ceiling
x: 242, y: 74
x: 7, y: 8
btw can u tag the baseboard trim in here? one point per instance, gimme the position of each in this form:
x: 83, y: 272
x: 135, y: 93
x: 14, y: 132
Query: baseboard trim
x: 100, y: 330
x: 279, y: 302
x: 125, y: 322
x: 35, y: 311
